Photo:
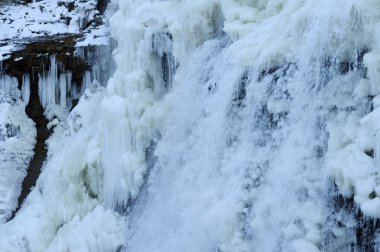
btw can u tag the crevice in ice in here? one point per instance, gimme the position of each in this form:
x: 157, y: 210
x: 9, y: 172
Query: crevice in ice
x: 87, y: 183
x: 35, y: 111
x: 241, y: 93
x: 150, y: 160
x: 162, y: 47
x: 101, y: 5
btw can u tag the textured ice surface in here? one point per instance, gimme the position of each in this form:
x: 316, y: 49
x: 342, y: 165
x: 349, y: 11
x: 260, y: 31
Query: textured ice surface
x: 17, y: 139
x: 219, y: 131
x: 64, y: 203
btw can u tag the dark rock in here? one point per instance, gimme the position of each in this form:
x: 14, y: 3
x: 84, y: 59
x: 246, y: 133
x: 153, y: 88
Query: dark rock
x: 372, y: 195
x: 101, y: 6
x: 35, y: 57
x: 370, y: 153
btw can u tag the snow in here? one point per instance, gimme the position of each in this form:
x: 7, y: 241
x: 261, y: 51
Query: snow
x: 22, y: 23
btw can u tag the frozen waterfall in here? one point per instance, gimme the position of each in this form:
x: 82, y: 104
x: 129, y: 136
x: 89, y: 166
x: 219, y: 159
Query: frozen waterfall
x: 228, y: 125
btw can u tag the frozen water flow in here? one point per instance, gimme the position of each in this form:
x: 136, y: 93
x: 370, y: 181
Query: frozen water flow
x: 228, y: 125
x: 17, y: 139
x: 25, y: 90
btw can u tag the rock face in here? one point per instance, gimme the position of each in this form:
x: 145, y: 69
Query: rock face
x: 102, y: 5
x: 34, y: 58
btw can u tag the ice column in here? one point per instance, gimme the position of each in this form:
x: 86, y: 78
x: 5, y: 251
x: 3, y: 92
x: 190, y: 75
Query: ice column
x: 9, y: 85
x: 47, y: 83
x: 55, y: 86
x: 62, y: 89
x: 25, y: 89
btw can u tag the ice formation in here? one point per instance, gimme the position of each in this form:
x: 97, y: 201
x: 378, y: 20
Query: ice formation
x: 224, y: 127
x: 17, y: 139
x: 57, y: 91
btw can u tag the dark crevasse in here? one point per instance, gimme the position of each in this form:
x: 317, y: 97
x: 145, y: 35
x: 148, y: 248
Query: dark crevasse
x: 35, y: 111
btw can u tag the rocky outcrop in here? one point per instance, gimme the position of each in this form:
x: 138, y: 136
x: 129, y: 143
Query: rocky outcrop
x: 33, y: 59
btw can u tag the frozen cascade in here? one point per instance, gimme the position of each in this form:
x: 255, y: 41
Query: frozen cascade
x: 256, y: 125
x: 228, y: 125
x: 57, y: 89
x: 17, y: 138
x: 56, y: 85
x: 8, y: 86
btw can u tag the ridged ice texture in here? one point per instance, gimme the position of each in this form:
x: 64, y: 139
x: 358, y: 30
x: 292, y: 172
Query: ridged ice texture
x: 55, y: 84
x: 264, y: 111
x: 17, y: 139
x: 64, y: 211
x: 56, y: 89
x: 221, y: 130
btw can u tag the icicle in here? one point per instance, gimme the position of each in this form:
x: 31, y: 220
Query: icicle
x: 25, y: 90
x: 86, y: 81
x: 62, y: 89
x: 41, y: 79
x: 79, y: 51
x: 52, y: 79
x: 49, y: 87
x: 75, y: 94
x: 9, y: 86
x: 95, y: 72
x: 69, y: 76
